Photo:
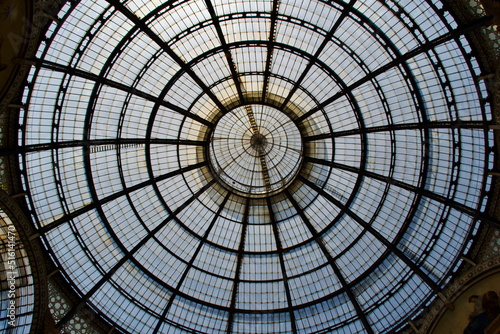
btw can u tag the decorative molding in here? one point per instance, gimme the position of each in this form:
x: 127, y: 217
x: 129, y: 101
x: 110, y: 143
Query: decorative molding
x: 35, y: 255
x: 462, y: 283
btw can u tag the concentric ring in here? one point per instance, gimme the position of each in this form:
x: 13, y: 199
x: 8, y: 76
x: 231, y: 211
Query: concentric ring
x: 256, y: 150
x: 256, y: 166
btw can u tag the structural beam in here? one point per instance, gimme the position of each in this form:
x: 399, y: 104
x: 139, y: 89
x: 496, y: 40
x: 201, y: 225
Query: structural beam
x: 270, y: 48
x: 399, y: 61
x: 123, y: 142
x: 128, y: 89
x: 320, y: 242
x: 227, y: 52
x: 414, y: 189
x: 401, y: 127
x: 416, y: 269
x: 282, y: 265
x: 151, y: 34
x: 239, y: 263
x: 190, y: 264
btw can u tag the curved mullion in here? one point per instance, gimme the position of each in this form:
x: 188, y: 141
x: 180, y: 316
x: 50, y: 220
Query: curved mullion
x: 280, y: 46
x: 348, y: 7
x: 399, y: 61
x: 151, y: 34
x: 190, y: 264
x: 270, y: 48
x: 239, y: 263
x: 288, y: 148
x: 98, y: 207
x: 128, y: 256
x: 282, y: 264
x: 416, y: 269
x: 64, y: 219
x: 483, y: 100
x: 414, y: 189
x: 320, y: 242
x: 111, y: 83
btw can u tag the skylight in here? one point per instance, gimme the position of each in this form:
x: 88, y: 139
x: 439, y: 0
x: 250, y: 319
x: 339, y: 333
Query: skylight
x: 255, y: 166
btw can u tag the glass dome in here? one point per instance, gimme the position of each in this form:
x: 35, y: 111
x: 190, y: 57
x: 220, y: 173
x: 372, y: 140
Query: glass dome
x: 256, y: 166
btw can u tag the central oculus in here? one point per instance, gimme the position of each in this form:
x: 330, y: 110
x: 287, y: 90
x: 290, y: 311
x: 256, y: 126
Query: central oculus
x: 258, y: 141
x: 255, y: 150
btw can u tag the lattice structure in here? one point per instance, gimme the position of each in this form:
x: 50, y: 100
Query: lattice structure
x: 255, y: 166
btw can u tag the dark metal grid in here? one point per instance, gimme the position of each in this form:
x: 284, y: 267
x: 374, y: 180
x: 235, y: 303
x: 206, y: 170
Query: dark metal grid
x: 315, y: 57
x: 331, y: 262
x: 237, y: 162
x: 280, y: 252
x: 241, y: 248
x: 128, y: 256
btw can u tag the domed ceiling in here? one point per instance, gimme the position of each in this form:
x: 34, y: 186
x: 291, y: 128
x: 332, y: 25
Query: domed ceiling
x: 256, y: 166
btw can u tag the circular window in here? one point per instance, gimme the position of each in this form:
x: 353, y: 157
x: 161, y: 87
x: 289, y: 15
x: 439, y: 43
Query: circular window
x: 255, y: 150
